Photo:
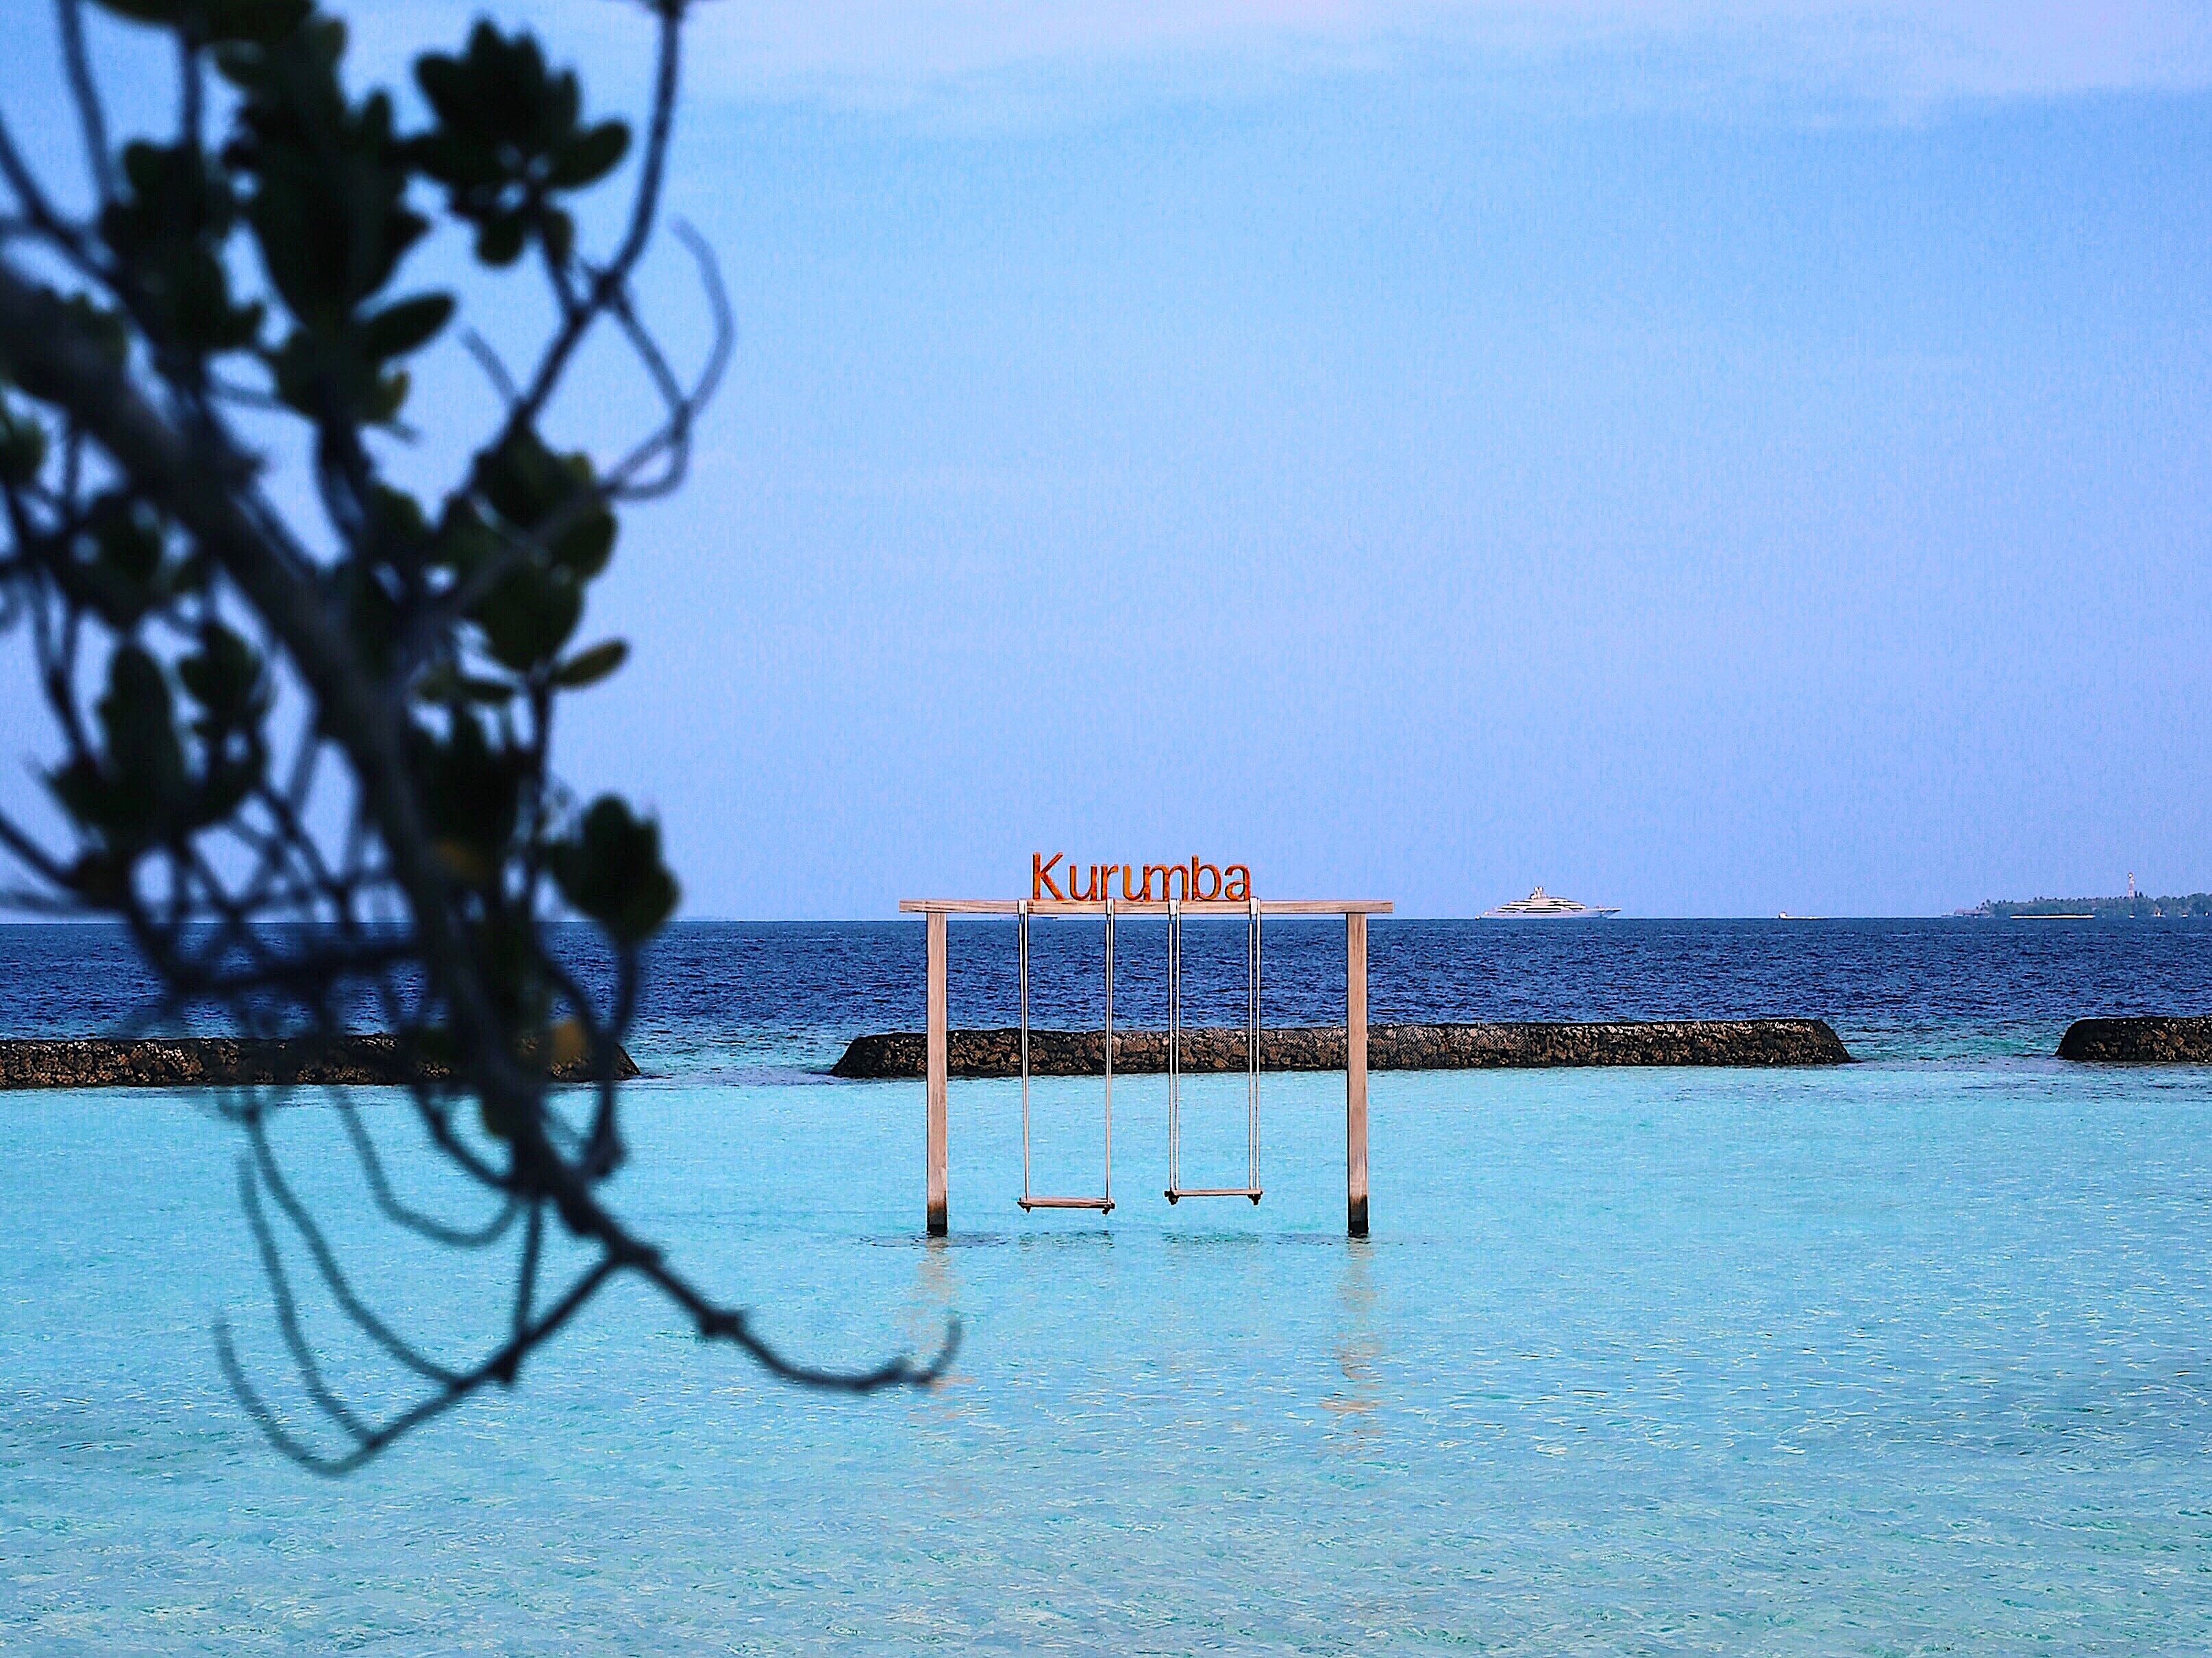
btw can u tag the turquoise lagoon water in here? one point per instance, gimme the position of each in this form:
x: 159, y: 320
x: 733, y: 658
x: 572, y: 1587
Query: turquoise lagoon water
x: 1908, y: 1357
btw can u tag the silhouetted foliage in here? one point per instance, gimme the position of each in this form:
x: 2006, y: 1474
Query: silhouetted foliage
x: 308, y: 761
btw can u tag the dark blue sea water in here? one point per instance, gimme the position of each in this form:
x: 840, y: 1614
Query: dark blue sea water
x: 1912, y: 1356
x: 803, y: 989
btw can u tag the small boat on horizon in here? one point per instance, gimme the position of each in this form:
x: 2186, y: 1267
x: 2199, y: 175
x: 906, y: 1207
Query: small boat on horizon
x: 1542, y: 906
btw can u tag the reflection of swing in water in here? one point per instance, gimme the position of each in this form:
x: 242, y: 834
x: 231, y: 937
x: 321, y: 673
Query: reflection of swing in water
x: 1031, y: 1199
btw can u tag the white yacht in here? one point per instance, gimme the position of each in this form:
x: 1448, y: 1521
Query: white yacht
x: 1542, y: 906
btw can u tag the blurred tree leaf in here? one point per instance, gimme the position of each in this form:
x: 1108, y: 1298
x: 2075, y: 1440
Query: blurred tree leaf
x: 588, y: 667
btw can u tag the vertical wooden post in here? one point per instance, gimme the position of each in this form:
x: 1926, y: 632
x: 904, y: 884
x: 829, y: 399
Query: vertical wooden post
x: 1355, y: 1075
x: 938, y: 1223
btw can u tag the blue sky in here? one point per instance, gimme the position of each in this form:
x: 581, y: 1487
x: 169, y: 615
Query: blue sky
x: 1708, y: 459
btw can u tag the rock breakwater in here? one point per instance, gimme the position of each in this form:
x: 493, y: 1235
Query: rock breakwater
x: 226, y: 1061
x: 1389, y: 1047
x: 2139, y: 1041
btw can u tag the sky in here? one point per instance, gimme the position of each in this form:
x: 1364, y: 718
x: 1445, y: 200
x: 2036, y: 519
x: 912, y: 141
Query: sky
x: 1709, y: 459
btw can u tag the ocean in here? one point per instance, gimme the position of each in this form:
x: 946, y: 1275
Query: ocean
x: 1907, y: 1356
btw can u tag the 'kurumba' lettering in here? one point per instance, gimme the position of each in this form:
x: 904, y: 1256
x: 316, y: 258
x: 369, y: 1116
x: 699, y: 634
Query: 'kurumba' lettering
x: 1183, y: 883
x: 1040, y: 881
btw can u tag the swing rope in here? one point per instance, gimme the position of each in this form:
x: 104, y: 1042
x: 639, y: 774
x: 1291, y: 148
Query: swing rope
x: 1176, y: 1191
x: 1109, y: 1053
x: 1022, y: 972
x: 1030, y: 1200
x: 1252, y: 1063
x: 1174, y: 1047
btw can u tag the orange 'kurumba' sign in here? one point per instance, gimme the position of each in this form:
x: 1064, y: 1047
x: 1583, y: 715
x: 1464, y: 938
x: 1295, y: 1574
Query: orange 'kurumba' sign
x: 1182, y: 881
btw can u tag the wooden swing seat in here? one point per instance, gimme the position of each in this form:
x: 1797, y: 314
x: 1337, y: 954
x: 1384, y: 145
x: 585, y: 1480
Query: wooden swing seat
x: 1177, y: 1193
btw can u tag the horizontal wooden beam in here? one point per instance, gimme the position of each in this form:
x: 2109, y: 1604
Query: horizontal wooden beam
x: 1143, y: 906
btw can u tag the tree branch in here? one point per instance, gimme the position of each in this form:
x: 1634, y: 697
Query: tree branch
x: 609, y: 281
x: 434, y: 911
x: 86, y: 95
x: 196, y: 478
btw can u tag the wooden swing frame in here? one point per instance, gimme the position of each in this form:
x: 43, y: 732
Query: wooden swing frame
x: 935, y: 912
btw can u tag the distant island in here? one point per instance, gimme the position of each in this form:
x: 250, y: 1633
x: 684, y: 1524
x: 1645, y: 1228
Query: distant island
x: 2133, y: 907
